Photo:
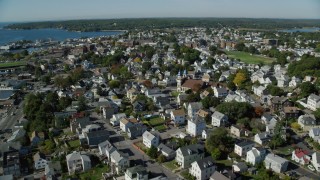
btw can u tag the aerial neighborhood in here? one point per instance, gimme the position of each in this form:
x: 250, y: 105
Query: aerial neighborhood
x: 184, y: 103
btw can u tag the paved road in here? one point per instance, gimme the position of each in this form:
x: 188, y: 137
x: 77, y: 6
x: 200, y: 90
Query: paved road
x: 10, y: 120
x: 139, y: 158
x: 303, y: 171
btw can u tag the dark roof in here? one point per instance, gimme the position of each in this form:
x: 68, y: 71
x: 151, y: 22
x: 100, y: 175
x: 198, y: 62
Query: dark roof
x: 244, y: 143
x: 192, y: 149
x: 101, y: 133
x: 205, y: 163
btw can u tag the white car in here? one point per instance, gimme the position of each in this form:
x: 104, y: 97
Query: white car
x: 311, y: 167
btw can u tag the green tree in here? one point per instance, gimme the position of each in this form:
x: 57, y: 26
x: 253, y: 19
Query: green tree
x: 216, y: 153
x: 307, y: 88
x: 114, y: 84
x: 236, y: 110
x: 152, y: 152
x: 220, y: 139
x: 82, y: 104
x: 210, y: 101
x: 161, y: 158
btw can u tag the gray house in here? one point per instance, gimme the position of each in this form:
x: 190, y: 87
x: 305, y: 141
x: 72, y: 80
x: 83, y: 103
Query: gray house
x: 276, y: 163
x: 96, y: 137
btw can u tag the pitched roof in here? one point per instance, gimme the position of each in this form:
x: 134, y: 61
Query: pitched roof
x: 179, y: 112
x: 205, y: 163
x: 192, y: 149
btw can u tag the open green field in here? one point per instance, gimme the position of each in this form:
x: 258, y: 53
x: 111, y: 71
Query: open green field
x: 12, y: 64
x: 248, y: 58
x: 156, y: 121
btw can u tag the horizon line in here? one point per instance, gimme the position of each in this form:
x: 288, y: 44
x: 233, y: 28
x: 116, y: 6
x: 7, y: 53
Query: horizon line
x: 181, y: 17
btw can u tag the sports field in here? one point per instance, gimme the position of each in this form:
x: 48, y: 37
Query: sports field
x: 13, y: 64
x: 248, y: 58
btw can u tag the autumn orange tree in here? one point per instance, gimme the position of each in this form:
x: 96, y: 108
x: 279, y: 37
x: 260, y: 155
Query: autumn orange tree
x: 241, y: 78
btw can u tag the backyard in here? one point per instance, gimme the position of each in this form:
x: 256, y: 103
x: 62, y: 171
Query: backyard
x: 95, y: 173
x: 248, y: 58
x: 157, y: 123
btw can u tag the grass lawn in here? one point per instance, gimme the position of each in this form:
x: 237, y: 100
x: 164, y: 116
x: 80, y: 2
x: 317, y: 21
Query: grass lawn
x: 285, y: 150
x: 250, y: 59
x: 13, y: 64
x: 171, y: 165
x: 225, y: 162
x: 156, y: 121
x: 95, y: 173
x: 160, y: 128
x: 141, y: 146
x: 74, y: 144
x: 175, y: 93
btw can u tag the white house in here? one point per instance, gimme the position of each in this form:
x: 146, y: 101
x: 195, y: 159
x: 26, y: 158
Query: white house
x: 40, y: 161
x: 314, y: 133
x: 301, y: 156
x: 120, y: 161
x: 255, y: 155
x: 196, y: 126
x: 136, y: 173
x: 202, y: 169
x: 276, y: 163
x: 295, y: 81
x: 241, y: 148
x: 150, y: 139
x: 106, y: 148
x: 262, y: 138
x: 313, y: 102
x: 259, y: 90
x: 219, y: 119
x: 115, y: 120
x: 187, y: 154
x: 178, y: 116
x: 315, y: 161
x: 307, y: 121
x: 78, y: 162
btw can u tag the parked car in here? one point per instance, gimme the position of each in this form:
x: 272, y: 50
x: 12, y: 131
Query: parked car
x: 311, y: 167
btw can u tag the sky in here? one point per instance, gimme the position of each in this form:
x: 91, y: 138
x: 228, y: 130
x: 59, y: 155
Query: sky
x: 40, y: 10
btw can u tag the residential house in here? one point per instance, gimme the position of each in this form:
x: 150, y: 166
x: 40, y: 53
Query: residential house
x: 307, y: 121
x: 78, y: 162
x: 239, y: 167
x: 132, y: 94
x: 136, y: 131
x: 136, y: 173
x: 259, y: 90
x: 276, y: 163
x: 107, y: 110
x: 314, y: 133
x: 313, y: 102
x: 52, y: 170
x: 11, y: 163
x: 115, y: 120
x: 290, y: 112
x: 220, y: 92
x: 195, y: 126
x: 96, y: 137
x: 241, y: 148
x: 106, y: 148
x: 237, y: 131
x: 218, y: 176
x: 202, y: 169
x: 315, y: 161
x: 262, y: 138
x: 150, y: 139
x: 40, y: 161
x: 120, y: 160
x: 125, y: 123
x: 187, y: 154
x: 178, y: 116
x: 283, y: 81
x: 301, y: 156
x: 193, y: 108
x: 78, y: 123
x: 168, y: 152
x: 36, y: 138
x: 278, y: 103
x: 295, y: 81
x: 219, y: 119
x: 139, y: 106
x: 256, y: 155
